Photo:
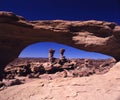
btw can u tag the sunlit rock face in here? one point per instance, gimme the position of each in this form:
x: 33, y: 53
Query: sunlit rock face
x: 16, y: 33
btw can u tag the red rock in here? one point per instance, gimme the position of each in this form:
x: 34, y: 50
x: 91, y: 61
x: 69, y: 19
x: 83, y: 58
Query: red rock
x: 17, y: 33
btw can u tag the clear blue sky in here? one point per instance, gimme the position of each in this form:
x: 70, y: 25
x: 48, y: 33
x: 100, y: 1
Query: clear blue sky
x: 107, y: 10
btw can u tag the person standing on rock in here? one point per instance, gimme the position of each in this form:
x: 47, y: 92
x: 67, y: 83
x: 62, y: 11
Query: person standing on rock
x: 50, y: 55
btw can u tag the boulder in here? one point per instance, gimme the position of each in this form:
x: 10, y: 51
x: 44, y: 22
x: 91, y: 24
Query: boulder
x: 47, y: 66
x: 12, y: 82
x: 37, y: 68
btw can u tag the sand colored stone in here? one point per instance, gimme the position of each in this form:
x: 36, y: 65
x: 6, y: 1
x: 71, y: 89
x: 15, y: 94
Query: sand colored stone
x: 16, y: 33
x: 96, y: 87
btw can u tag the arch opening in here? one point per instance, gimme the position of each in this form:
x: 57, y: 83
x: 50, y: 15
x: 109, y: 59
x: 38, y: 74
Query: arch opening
x: 40, y: 50
x: 74, y: 62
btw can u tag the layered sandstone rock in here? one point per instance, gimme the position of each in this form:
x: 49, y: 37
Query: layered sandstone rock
x: 16, y: 33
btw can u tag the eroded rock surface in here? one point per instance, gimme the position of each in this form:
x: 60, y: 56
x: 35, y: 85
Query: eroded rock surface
x: 96, y: 87
x: 70, y: 68
x: 16, y: 33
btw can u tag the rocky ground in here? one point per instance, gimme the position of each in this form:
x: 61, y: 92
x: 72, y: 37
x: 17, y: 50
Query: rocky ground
x: 67, y: 80
x: 30, y: 68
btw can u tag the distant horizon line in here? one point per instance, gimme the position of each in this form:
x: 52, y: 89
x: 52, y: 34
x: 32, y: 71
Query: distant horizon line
x: 66, y: 58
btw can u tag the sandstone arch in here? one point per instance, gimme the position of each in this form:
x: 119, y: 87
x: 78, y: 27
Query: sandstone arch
x: 16, y: 33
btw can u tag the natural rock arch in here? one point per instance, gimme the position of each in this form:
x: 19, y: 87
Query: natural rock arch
x: 16, y: 33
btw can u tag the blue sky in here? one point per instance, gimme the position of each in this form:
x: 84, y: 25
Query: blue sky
x: 104, y: 10
x: 41, y: 50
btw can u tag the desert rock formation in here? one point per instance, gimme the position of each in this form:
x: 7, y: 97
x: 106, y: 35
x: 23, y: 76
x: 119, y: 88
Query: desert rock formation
x: 73, y: 68
x: 96, y: 87
x: 16, y: 33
